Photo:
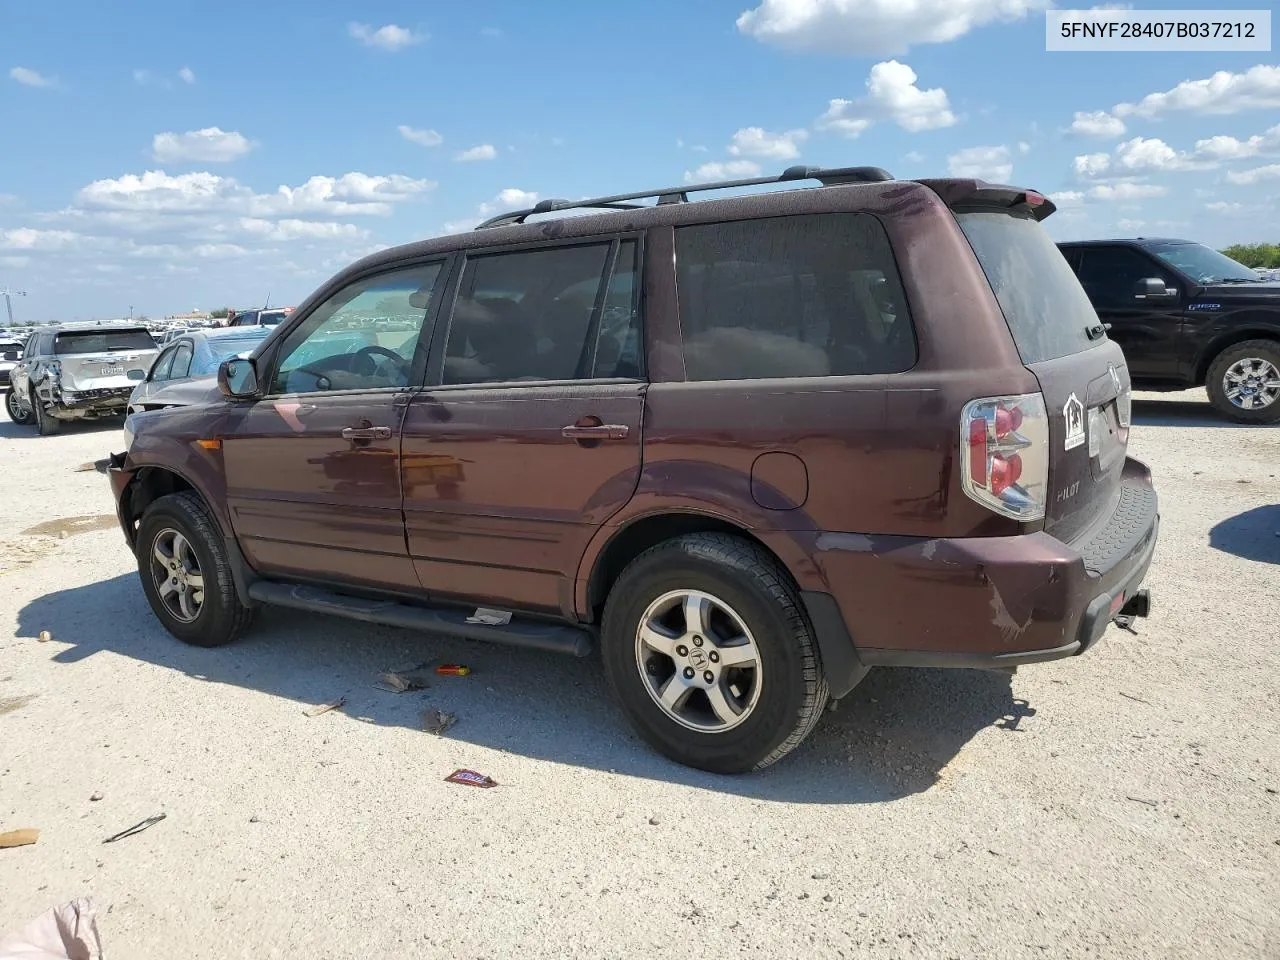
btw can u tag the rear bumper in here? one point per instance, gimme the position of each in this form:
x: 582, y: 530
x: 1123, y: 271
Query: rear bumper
x: 68, y: 403
x: 994, y: 602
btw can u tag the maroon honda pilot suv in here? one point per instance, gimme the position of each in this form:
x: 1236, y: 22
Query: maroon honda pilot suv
x: 749, y: 447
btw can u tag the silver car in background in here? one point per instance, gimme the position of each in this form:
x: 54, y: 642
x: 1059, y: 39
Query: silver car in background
x: 78, y: 372
x: 10, y: 354
x: 186, y: 370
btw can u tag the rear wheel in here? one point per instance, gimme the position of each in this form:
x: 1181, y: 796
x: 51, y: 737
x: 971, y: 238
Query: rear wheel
x: 186, y: 574
x: 710, y: 654
x: 45, y: 424
x: 1244, y: 382
x: 18, y: 413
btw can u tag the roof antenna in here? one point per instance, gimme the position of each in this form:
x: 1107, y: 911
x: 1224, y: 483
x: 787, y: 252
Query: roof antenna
x: 268, y: 303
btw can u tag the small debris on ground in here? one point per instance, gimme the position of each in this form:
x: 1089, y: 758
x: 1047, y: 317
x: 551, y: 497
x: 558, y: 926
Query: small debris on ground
x: 45, y: 636
x: 95, y: 796
x: 654, y: 821
x: 325, y: 707
x: 411, y: 676
x: 1149, y: 803
x: 469, y: 778
x: 136, y: 828
x: 437, y: 721
x: 452, y: 670
x: 19, y: 838
x: 821, y: 876
x: 1130, y: 696
x: 254, y: 819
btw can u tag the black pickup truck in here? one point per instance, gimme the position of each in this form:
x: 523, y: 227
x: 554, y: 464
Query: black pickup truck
x: 1187, y: 316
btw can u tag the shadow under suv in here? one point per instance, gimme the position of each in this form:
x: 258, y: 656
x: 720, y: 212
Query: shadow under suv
x: 750, y: 447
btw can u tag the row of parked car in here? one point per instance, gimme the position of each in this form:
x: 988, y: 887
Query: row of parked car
x: 748, y: 447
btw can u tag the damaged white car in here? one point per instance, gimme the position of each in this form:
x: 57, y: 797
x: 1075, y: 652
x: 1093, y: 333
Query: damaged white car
x: 78, y: 372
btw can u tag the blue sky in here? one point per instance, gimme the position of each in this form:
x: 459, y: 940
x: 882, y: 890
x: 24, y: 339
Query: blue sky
x: 172, y: 156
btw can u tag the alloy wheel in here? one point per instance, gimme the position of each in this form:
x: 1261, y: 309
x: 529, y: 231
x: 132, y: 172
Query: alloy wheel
x: 175, y: 570
x: 1252, y: 383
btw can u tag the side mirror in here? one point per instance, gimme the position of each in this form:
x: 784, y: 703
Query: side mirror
x: 1153, y: 288
x: 238, y: 378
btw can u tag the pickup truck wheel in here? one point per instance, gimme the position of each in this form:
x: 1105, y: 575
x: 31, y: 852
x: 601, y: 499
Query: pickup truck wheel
x: 17, y: 412
x: 1244, y: 382
x: 46, y: 425
x: 709, y: 652
x: 186, y: 574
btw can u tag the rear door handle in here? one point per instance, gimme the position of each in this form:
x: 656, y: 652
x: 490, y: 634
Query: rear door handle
x: 366, y: 433
x: 596, y: 431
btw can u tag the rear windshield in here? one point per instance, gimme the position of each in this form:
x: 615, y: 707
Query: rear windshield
x: 271, y: 318
x: 102, y: 341
x: 1047, y: 310
x: 224, y: 348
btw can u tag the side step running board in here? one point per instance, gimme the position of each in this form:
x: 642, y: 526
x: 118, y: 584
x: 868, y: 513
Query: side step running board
x: 535, y: 634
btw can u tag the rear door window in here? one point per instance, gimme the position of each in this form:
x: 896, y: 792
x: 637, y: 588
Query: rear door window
x: 181, y: 362
x: 804, y: 296
x: 1047, y: 310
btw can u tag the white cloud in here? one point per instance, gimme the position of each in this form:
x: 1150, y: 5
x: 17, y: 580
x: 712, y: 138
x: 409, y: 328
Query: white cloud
x: 492, y: 33
x: 1248, y: 178
x: 25, y: 238
x: 892, y: 96
x: 425, y: 138
x: 30, y: 78
x: 351, y: 193
x: 1092, y: 165
x: 728, y: 170
x: 511, y: 198
x: 1130, y: 224
x: 1225, y: 208
x: 757, y: 142
x: 300, y: 229
x: 1024, y: 147
x: 699, y: 148
x: 484, y: 151
x: 1223, y: 93
x: 187, y: 75
x: 390, y: 37
x: 461, y: 226
x: 210, y: 145
x: 1097, y: 123
x: 1126, y: 190
x: 913, y: 156
x: 874, y: 27
x: 1067, y: 198
x: 1142, y: 155
x: 1229, y: 148
x: 981, y: 163
x: 142, y: 77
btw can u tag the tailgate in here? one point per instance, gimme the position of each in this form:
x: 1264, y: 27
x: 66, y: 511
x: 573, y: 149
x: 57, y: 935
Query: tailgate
x: 107, y: 371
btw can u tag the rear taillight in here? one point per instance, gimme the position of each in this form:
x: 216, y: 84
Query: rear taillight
x: 1004, y: 444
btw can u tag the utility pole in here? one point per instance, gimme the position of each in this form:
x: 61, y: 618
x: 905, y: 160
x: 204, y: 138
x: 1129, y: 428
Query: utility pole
x: 131, y: 313
x: 8, y: 302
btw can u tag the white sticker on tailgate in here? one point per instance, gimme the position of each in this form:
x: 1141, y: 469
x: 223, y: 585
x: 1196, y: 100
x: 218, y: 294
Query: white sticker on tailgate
x: 1073, y: 417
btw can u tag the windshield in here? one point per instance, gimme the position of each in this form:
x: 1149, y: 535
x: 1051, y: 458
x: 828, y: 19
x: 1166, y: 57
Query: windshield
x: 1202, y: 264
x: 224, y: 348
x: 269, y: 318
x: 102, y: 341
x: 1047, y: 310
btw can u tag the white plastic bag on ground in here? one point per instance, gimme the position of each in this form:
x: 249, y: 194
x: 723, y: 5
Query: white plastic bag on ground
x: 68, y: 932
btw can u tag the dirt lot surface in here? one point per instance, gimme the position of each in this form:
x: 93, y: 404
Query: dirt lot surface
x: 1123, y: 804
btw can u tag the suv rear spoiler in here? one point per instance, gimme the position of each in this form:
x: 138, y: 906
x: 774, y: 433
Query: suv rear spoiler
x: 978, y: 194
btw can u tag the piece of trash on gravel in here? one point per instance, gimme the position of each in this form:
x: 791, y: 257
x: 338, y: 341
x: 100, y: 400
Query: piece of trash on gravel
x: 66, y: 932
x: 469, y: 778
x: 402, y: 682
x: 45, y: 636
x: 325, y: 707
x: 453, y: 670
x: 437, y: 721
x: 95, y: 796
x: 136, y: 828
x: 19, y: 838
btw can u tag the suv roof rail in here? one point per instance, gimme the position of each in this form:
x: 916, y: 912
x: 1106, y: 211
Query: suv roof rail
x: 828, y: 177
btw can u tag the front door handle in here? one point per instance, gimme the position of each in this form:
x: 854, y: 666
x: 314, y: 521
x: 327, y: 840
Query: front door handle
x: 366, y: 433
x: 595, y: 431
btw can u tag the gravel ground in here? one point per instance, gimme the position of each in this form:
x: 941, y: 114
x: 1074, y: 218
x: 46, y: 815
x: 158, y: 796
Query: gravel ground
x: 1119, y: 805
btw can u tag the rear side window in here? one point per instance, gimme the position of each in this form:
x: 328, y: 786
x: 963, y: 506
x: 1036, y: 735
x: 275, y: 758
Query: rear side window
x: 1047, y: 310
x: 806, y: 296
x: 102, y: 341
x: 181, y: 362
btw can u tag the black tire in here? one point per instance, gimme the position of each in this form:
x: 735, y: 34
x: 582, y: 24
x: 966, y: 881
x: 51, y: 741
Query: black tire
x: 20, y: 416
x: 1268, y: 350
x: 46, y: 425
x: 221, y: 617
x: 793, y: 691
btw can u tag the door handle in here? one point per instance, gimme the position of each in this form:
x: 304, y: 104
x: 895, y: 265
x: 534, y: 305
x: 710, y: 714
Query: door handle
x: 366, y: 433
x: 595, y: 431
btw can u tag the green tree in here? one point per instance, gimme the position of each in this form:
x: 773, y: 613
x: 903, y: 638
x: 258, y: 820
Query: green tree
x: 1265, y: 256
x: 220, y: 314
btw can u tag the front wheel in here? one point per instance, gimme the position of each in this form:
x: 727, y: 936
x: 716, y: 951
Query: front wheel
x: 18, y: 413
x: 710, y: 654
x: 186, y: 573
x: 1244, y: 382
